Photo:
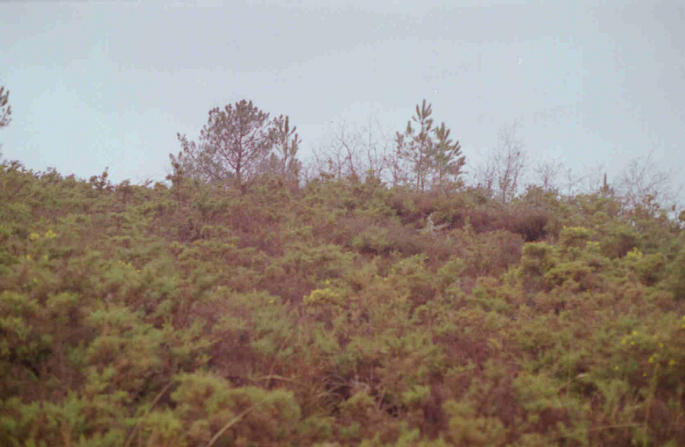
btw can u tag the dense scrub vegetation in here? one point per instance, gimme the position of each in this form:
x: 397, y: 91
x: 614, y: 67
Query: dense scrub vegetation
x: 340, y: 312
x: 238, y: 305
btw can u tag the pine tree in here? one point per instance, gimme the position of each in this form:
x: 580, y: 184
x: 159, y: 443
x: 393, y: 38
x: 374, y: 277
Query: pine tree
x: 434, y: 159
x: 286, y: 144
x: 448, y: 161
x: 415, y: 146
x: 233, y: 145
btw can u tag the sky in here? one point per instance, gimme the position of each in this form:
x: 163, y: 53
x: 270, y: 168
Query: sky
x: 110, y: 84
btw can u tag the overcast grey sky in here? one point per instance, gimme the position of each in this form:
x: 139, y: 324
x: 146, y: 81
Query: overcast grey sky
x: 110, y: 84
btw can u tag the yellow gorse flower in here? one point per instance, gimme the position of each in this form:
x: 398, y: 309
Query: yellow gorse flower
x: 48, y: 235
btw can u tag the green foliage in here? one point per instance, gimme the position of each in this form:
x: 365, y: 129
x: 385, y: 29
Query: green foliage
x: 341, y: 313
x: 286, y: 142
x: 235, y: 147
x: 207, y: 404
x: 676, y: 275
x: 467, y: 428
x: 648, y: 268
x: 434, y: 159
x: 618, y: 241
x: 574, y: 237
x: 537, y: 260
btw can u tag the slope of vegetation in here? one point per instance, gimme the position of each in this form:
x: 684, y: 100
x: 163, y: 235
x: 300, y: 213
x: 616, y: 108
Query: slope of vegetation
x: 340, y: 312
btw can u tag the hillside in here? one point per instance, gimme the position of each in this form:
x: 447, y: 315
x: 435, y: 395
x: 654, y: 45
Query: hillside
x: 338, y: 312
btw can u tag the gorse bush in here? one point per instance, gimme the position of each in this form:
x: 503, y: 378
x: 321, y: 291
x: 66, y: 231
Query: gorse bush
x: 339, y: 312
